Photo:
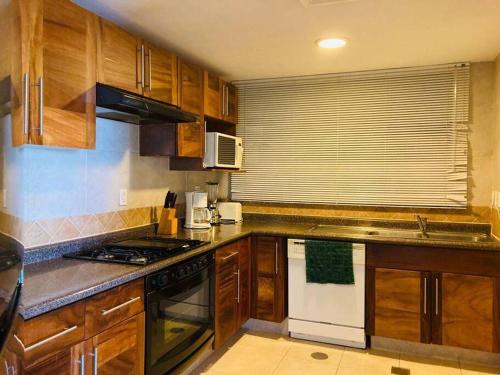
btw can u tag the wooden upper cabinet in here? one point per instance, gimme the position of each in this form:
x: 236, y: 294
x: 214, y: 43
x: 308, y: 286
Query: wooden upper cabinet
x: 220, y: 98
x: 190, y: 87
x: 119, y: 58
x: 212, y: 95
x: 231, y: 103
x: 191, y: 140
x: 464, y: 311
x: 400, y: 310
x: 161, y: 74
x: 54, y: 80
x: 268, y: 289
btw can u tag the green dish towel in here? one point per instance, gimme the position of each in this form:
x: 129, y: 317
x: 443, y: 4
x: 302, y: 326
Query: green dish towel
x: 329, y: 262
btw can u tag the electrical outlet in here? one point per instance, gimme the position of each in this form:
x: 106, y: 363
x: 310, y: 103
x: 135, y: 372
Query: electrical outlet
x: 123, y: 197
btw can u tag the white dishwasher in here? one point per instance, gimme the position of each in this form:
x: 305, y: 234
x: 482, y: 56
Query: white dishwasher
x: 330, y: 313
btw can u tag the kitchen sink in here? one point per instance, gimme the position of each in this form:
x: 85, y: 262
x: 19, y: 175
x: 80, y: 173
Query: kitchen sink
x: 438, y: 236
x: 400, y: 233
x: 341, y: 230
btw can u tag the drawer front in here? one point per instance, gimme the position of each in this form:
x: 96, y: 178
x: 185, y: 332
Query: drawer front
x: 114, y: 306
x: 226, y: 258
x: 41, y: 337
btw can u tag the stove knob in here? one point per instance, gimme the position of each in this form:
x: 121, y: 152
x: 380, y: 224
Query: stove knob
x: 195, y: 266
x: 188, y: 269
x: 181, y: 273
x: 162, y: 280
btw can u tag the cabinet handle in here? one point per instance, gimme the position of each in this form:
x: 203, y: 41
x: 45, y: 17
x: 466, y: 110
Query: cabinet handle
x: 238, y: 289
x: 141, y: 81
x: 437, y: 296
x: 228, y: 256
x: 223, y: 99
x: 82, y: 364
x: 425, y: 295
x: 7, y: 368
x: 150, y: 70
x: 26, y: 102
x: 95, y: 361
x: 276, y: 258
x: 40, y: 100
x: 40, y: 343
x: 227, y: 99
x: 131, y: 300
x: 143, y: 74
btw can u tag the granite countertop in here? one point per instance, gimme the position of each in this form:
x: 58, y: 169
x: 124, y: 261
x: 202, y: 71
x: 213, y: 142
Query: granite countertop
x: 58, y: 282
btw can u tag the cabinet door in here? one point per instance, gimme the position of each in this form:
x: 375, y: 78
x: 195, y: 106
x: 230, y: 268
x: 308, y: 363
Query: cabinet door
x: 190, y: 87
x: 231, y: 110
x: 268, y: 279
x: 17, y: 59
x: 401, y: 304
x: 70, y: 361
x: 120, y: 350
x: 191, y: 140
x: 212, y: 95
x: 244, y: 281
x: 161, y: 77
x: 119, y: 58
x: 463, y: 311
x: 64, y: 76
x: 226, y: 293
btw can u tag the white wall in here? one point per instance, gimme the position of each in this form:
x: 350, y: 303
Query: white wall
x: 67, y: 182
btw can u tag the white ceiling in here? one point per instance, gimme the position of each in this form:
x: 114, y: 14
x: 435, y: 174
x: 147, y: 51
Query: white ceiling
x: 246, y: 39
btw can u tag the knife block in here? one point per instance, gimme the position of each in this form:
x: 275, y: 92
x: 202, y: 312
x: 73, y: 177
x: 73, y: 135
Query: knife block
x: 168, y: 222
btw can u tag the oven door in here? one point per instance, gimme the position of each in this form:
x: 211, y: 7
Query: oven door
x: 179, y: 321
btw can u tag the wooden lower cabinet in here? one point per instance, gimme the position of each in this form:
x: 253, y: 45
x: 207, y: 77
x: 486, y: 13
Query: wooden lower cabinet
x: 438, y: 296
x: 269, y: 278
x: 232, y: 289
x: 226, y: 293
x: 66, y: 362
x: 399, y: 305
x: 119, y: 350
x: 244, y: 281
x: 101, y: 335
x: 465, y: 311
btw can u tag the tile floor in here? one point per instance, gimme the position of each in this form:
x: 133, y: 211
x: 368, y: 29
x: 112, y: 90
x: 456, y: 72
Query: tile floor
x: 265, y: 353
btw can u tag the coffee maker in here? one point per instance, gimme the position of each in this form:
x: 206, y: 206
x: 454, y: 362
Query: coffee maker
x: 213, y: 191
x: 197, y: 213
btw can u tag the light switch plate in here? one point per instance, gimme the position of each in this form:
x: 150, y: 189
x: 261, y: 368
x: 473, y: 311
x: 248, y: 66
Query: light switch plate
x: 123, y: 197
x: 4, y: 198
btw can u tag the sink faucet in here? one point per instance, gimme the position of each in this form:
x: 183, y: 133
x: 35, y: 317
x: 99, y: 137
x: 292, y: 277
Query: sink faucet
x: 422, y: 224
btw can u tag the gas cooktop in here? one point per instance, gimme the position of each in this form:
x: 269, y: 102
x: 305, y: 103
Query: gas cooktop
x: 139, y: 251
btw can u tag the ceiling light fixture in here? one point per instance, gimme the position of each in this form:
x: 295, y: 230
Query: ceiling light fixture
x: 331, y: 43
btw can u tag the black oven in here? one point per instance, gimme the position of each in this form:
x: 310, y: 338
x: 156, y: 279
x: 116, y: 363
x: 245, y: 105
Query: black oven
x: 179, y: 313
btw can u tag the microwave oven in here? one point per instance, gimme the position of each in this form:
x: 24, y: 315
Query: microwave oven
x: 222, y: 151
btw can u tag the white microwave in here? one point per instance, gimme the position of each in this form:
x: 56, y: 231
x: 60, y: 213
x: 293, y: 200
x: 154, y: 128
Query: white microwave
x: 222, y: 151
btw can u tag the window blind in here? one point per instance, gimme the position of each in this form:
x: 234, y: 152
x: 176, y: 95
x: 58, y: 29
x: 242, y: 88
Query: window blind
x: 394, y: 137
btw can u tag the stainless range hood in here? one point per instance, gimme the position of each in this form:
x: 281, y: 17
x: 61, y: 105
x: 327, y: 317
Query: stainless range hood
x: 121, y: 105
